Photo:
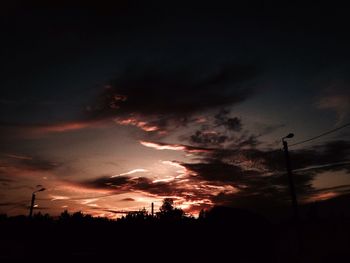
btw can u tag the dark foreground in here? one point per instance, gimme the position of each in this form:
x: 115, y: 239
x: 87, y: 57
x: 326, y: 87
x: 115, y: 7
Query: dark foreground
x: 226, y: 237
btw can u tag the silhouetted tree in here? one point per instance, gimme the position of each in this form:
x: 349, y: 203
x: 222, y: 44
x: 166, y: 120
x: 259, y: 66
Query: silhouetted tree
x: 3, y: 217
x: 64, y: 216
x: 202, y: 215
x: 167, y: 206
x: 40, y: 217
x: 312, y: 212
x: 140, y: 215
x: 168, y: 212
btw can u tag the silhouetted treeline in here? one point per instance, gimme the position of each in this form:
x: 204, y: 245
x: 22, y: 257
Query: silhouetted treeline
x: 220, y: 234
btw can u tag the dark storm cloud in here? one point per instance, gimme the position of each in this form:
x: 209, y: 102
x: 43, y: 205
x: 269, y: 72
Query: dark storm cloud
x: 336, y: 96
x: 219, y: 142
x: 223, y: 119
x: 245, y: 178
x: 330, y: 152
x: 122, y: 184
x: 8, y: 204
x: 11, y: 165
x: 159, y: 188
x: 41, y: 41
x: 219, y: 171
x: 167, y: 93
x: 222, y: 130
x: 245, y: 140
x: 219, y: 129
x: 274, y: 160
x: 107, y: 182
x: 115, y: 211
x: 22, y: 204
x: 6, y: 180
x: 261, y: 173
x: 249, y: 182
x: 206, y: 139
x: 38, y: 165
x: 128, y: 199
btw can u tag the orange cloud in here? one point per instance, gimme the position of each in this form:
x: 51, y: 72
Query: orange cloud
x: 139, y: 170
x: 174, y: 147
x: 143, y: 125
x: 68, y: 126
x: 33, y: 130
x: 161, y: 146
x: 59, y: 197
x: 322, y: 196
x: 19, y: 157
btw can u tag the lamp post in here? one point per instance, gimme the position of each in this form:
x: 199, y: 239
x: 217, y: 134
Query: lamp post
x: 33, y: 200
x: 290, y: 176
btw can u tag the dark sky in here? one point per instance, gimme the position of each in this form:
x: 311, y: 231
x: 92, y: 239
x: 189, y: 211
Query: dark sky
x: 141, y: 100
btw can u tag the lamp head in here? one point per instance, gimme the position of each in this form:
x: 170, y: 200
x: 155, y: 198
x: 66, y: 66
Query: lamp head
x: 290, y: 135
x: 40, y: 190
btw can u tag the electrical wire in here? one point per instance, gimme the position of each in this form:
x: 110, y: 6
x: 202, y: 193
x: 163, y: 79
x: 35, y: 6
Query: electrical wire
x: 321, y: 135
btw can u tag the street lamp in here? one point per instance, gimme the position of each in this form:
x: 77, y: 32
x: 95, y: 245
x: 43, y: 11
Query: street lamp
x: 290, y: 176
x: 33, y: 200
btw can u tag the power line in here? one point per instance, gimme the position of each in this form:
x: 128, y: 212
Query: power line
x: 321, y: 135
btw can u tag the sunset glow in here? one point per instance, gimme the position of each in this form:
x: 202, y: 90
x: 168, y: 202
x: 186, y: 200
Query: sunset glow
x: 113, y: 109
x: 174, y: 131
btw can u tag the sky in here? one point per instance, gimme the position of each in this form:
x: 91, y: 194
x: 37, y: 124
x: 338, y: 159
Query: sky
x: 111, y: 107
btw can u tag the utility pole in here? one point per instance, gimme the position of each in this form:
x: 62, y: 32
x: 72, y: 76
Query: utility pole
x: 152, y: 205
x: 33, y: 200
x: 290, y: 177
x: 299, y: 238
x: 32, y: 205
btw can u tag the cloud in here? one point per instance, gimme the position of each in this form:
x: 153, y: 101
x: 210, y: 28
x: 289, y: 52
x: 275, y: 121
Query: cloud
x: 323, y: 196
x: 107, y: 182
x: 223, y: 119
x: 208, y: 138
x: 217, y: 171
x: 260, y: 174
x: 174, y: 147
x: 66, y: 126
x: 139, y: 170
x: 24, y: 167
x: 6, y: 180
x: 29, y: 163
x: 118, y: 211
x: 20, y: 157
x: 183, y: 186
x: 336, y: 98
x: 10, y: 204
x: 338, y: 103
x: 143, y: 125
x: 220, y: 130
x: 18, y: 130
x: 128, y: 199
x: 154, y: 98
x: 59, y: 197
x: 163, y: 146
x: 37, y: 164
x: 123, y: 184
x: 247, y: 178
